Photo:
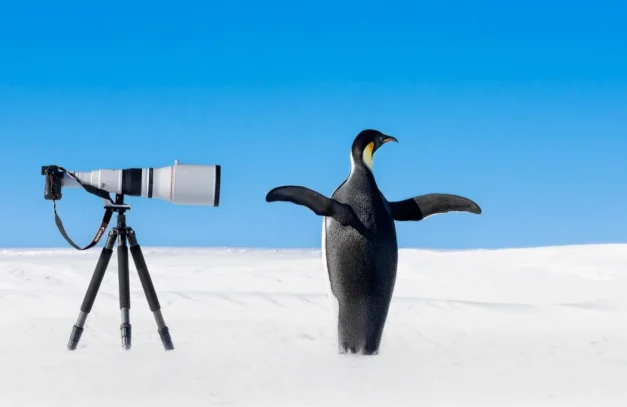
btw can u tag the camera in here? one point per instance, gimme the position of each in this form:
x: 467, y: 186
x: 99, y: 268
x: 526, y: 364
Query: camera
x: 180, y: 184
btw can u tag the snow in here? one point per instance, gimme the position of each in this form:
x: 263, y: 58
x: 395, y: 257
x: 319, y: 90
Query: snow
x: 515, y: 327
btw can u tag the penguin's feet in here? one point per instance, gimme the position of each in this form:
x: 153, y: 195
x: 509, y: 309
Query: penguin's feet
x: 346, y: 348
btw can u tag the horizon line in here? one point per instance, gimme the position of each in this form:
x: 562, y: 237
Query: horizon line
x: 292, y: 249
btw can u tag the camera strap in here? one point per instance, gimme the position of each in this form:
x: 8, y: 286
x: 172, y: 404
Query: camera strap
x: 105, y: 219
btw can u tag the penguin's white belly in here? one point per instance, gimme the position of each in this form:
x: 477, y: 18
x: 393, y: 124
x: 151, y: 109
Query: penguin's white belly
x: 327, y: 279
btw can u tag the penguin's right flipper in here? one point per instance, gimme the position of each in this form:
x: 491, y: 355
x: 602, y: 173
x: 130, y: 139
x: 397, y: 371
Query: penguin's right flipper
x: 316, y: 202
x: 419, y: 207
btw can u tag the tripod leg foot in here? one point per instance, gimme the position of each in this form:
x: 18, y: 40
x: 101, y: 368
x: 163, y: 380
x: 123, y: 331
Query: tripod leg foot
x: 164, y: 331
x: 77, y: 331
x: 125, y: 329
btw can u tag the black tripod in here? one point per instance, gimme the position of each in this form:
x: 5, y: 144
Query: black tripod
x: 121, y: 232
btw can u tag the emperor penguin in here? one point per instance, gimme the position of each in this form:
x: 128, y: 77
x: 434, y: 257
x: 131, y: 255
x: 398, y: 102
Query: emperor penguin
x: 359, y: 245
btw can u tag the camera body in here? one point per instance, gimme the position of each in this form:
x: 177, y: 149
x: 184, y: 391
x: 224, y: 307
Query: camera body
x: 53, y: 183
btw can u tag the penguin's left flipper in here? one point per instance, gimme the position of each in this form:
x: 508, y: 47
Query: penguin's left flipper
x: 419, y: 207
x: 315, y: 201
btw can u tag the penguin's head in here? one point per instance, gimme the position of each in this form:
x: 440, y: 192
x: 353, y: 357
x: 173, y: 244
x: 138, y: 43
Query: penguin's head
x: 366, y: 143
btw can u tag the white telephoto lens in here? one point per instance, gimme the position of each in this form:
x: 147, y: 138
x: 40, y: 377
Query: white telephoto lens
x: 180, y: 184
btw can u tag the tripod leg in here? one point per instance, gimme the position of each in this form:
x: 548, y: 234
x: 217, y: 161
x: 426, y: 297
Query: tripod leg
x: 149, y: 289
x: 125, y: 291
x: 92, y: 290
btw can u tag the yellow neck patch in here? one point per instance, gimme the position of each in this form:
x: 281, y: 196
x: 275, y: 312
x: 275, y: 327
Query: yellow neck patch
x: 367, y: 154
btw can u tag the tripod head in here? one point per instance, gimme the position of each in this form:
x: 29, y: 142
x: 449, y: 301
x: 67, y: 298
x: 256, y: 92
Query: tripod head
x: 120, y: 208
x: 118, y: 205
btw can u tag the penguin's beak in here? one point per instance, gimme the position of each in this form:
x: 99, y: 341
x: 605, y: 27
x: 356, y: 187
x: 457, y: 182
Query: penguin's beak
x: 382, y: 141
x: 387, y: 139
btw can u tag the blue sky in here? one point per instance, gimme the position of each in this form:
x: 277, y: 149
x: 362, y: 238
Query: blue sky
x: 521, y: 106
